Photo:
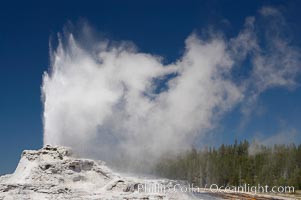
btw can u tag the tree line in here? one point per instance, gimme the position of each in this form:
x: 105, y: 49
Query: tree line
x: 236, y: 164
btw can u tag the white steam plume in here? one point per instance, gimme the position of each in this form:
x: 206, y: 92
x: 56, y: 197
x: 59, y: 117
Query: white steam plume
x: 110, y: 103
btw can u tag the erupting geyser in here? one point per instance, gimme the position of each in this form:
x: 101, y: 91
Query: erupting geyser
x: 115, y: 103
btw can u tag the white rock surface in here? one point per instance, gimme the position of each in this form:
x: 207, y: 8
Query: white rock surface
x: 54, y: 173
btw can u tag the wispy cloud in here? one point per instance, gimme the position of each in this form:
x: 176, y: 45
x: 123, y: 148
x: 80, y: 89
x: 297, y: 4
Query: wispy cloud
x: 285, y: 137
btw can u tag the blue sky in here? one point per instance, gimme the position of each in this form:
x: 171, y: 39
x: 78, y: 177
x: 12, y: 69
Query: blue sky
x: 156, y: 27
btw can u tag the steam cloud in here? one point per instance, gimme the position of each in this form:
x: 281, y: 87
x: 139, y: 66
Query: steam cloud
x: 116, y: 103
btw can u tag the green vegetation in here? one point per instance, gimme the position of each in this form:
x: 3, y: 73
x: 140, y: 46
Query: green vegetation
x: 236, y: 164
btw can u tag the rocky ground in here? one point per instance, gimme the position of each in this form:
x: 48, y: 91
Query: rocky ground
x: 54, y: 173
